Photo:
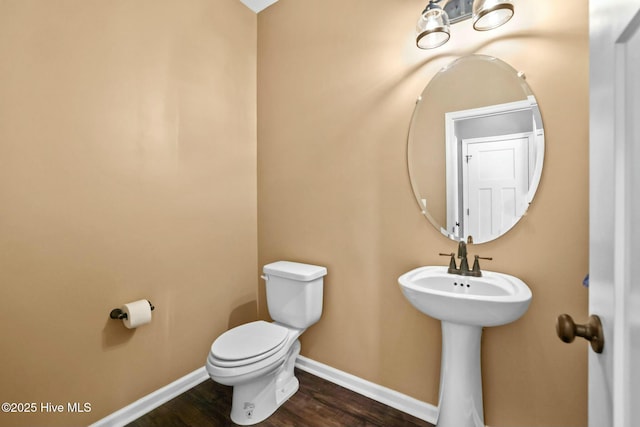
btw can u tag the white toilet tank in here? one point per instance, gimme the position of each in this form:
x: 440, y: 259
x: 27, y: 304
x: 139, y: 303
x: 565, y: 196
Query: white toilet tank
x: 294, y: 292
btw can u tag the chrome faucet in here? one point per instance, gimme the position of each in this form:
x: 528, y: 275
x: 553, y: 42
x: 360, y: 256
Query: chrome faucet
x: 464, y: 264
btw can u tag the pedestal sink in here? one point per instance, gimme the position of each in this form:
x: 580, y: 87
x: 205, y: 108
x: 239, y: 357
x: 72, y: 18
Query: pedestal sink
x: 464, y: 305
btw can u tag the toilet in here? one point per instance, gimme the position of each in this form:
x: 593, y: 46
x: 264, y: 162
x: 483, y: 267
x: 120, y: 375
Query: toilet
x: 258, y: 358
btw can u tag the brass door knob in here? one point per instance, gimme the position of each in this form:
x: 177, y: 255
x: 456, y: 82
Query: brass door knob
x: 591, y: 331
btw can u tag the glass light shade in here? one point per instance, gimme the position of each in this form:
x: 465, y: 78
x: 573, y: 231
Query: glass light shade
x: 490, y: 14
x: 432, y: 28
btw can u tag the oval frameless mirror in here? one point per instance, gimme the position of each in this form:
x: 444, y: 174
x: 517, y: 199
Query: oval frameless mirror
x: 475, y: 148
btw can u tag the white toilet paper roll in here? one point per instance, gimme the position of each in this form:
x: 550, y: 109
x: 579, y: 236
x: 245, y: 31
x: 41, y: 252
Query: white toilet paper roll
x: 138, y: 313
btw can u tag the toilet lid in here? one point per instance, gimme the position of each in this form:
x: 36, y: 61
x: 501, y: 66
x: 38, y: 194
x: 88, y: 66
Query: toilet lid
x: 249, y: 340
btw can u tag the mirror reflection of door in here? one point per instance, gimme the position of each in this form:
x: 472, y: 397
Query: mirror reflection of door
x: 495, y: 184
x: 493, y: 164
x: 479, y: 97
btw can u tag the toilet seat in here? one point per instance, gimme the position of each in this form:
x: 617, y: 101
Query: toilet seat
x: 248, y: 344
x: 235, y: 372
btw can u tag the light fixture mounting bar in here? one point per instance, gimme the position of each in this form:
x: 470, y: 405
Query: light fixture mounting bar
x: 458, y: 10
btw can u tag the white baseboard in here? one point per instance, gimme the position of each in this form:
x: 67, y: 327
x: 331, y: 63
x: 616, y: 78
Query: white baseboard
x: 151, y: 401
x: 392, y: 398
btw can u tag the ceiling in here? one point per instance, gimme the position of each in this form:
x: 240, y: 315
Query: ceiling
x: 258, y: 5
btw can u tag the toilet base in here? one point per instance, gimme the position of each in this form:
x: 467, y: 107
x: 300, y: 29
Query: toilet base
x: 256, y: 400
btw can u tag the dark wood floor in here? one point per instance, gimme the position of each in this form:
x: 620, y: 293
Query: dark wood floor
x: 318, y: 403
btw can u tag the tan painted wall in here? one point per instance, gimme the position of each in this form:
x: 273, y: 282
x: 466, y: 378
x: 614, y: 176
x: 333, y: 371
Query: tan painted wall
x: 127, y: 145
x: 127, y: 171
x: 337, y: 81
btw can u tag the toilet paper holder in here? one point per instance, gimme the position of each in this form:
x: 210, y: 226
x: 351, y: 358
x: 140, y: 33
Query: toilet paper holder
x: 118, y: 314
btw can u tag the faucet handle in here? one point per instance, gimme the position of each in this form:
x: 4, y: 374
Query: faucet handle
x: 453, y: 269
x: 475, y: 271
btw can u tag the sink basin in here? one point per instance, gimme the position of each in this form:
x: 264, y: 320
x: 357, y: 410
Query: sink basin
x: 491, y: 300
x: 464, y: 305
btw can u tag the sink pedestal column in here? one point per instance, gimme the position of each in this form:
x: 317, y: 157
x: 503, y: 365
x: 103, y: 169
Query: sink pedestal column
x: 460, y: 377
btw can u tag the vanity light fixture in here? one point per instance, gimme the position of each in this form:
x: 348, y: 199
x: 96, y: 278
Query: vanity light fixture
x: 490, y: 14
x: 433, y: 25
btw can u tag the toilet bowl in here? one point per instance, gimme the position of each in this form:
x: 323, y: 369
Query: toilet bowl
x: 258, y: 358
